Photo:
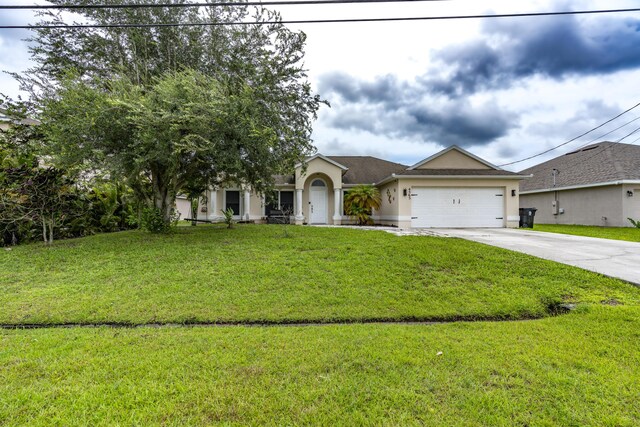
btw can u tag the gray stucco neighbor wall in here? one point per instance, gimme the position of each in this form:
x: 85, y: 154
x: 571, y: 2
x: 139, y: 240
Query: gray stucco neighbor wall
x: 607, y: 206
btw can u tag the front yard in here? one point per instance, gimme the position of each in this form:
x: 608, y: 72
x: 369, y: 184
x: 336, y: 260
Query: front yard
x: 581, y: 368
x: 260, y: 274
x: 616, y: 233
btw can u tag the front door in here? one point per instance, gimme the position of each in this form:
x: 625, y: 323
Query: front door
x: 318, y: 202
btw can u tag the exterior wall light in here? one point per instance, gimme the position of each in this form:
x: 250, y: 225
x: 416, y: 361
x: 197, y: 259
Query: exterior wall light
x: 629, y: 193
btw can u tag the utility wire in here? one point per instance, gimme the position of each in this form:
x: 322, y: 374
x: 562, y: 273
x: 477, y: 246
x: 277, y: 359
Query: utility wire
x: 205, y: 4
x: 572, y: 139
x: 636, y: 130
x: 582, y: 162
x: 608, y: 133
x: 317, y: 21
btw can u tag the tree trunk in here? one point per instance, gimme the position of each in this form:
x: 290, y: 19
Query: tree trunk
x: 51, y: 230
x: 44, y: 230
x: 164, y: 194
x: 194, y: 211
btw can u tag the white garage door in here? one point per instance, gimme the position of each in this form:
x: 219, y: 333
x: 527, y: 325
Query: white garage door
x: 457, y: 207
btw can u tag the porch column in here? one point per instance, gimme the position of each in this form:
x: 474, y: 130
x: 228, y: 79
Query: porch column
x: 247, y: 204
x: 213, y: 203
x: 299, y: 215
x: 337, y: 209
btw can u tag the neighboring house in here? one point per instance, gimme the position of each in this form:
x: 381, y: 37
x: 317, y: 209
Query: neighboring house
x: 6, y: 121
x: 452, y: 188
x: 595, y: 185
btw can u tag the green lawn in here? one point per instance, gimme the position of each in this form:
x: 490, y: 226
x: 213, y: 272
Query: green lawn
x: 257, y: 273
x: 581, y: 368
x: 616, y: 233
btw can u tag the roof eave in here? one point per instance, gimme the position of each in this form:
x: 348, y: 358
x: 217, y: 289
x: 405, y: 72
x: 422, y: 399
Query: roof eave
x: 577, y: 187
x: 394, y: 176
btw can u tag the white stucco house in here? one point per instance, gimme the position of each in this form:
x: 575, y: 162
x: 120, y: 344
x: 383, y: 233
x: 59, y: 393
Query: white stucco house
x: 452, y: 188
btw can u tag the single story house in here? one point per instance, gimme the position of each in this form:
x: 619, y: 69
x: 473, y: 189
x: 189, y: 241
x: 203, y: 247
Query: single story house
x: 452, y: 188
x: 6, y: 122
x: 595, y: 185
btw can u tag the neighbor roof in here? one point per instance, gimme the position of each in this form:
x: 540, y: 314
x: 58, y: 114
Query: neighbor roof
x: 6, y: 119
x: 366, y: 169
x: 599, y: 163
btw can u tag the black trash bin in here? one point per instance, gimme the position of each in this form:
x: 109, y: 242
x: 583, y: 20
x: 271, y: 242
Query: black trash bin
x: 526, y: 217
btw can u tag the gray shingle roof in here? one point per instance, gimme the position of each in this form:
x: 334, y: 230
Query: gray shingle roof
x: 370, y: 170
x: 284, y: 179
x: 366, y: 169
x: 593, y: 164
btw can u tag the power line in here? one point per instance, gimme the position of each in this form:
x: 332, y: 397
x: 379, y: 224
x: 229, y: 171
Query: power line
x: 572, y: 139
x: 604, y: 148
x: 608, y: 133
x: 206, y: 4
x: 628, y: 135
x: 318, y: 21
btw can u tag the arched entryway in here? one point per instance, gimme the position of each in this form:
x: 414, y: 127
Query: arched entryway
x: 318, y: 202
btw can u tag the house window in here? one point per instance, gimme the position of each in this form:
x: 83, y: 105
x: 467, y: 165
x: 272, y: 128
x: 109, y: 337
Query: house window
x: 286, y: 201
x: 318, y: 183
x: 232, y: 201
x: 272, y: 204
x: 281, y: 201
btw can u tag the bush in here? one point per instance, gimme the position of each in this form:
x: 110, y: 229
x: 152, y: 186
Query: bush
x: 46, y: 204
x: 152, y: 220
x: 228, y: 217
x: 360, y: 202
x: 636, y: 223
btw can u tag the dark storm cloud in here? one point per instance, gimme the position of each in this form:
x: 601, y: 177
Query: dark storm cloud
x: 384, y: 89
x: 435, y: 107
x: 554, y: 48
x: 455, y: 123
x: 397, y: 109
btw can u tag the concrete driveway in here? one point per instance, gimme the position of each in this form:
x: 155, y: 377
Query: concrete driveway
x: 613, y: 258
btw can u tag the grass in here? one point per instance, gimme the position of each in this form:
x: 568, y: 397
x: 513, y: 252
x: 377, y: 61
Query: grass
x: 581, y: 368
x: 575, y: 370
x: 616, y: 233
x: 257, y: 273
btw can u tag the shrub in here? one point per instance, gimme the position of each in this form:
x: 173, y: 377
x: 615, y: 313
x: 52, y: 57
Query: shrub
x: 228, y: 217
x: 153, y: 221
x: 636, y: 223
x: 360, y: 202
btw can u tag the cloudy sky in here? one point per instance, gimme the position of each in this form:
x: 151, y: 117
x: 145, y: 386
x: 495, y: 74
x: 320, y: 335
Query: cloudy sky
x: 503, y: 89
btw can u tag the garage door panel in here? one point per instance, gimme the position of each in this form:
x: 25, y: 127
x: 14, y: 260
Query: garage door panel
x: 457, y: 207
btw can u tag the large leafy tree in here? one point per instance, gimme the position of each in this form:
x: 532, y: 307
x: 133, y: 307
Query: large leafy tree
x: 182, y: 130
x: 169, y: 106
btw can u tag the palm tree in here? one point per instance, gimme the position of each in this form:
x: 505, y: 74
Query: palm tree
x: 360, y: 201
